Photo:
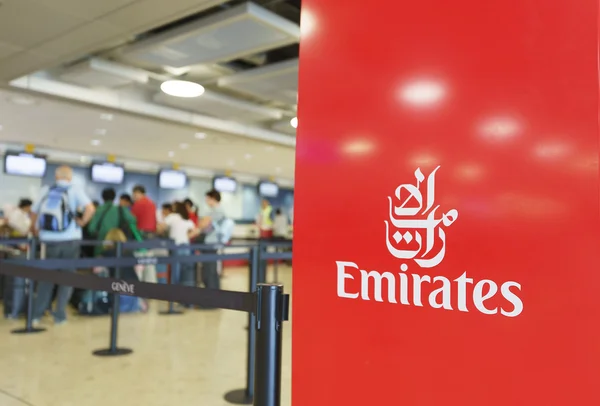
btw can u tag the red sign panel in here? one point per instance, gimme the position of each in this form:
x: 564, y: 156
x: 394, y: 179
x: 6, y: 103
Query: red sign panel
x: 447, y: 206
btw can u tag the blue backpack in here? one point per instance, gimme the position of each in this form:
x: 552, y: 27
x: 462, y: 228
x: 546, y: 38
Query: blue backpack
x: 55, y: 212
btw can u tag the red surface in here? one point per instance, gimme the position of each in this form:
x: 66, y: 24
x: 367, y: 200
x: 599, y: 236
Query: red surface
x: 506, y: 103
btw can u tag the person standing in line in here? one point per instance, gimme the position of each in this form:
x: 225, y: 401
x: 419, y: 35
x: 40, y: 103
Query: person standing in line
x: 144, y: 211
x: 264, y: 221
x: 280, y: 225
x: 180, y: 228
x: 211, y: 225
x: 54, y: 218
x: 19, y: 222
x: 192, y: 210
x: 109, y: 217
x: 125, y: 201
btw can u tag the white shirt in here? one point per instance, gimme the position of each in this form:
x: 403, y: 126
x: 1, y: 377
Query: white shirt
x: 179, y: 228
x: 280, y: 226
x: 19, y: 221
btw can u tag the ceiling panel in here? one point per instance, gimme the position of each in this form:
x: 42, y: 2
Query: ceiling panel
x: 89, y: 10
x: 147, y: 14
x: 101, y: 73
x: 7, y: 50
x: 242, y: 30
x: 221, y: 106
x: 277, y: 81
x: 23, y: 62
x: 26, y: 23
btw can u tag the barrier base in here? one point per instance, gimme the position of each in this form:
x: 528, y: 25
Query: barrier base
x: 168, y: 312
x: 239, y: 397
x: 31, y: 330
x: 112, y: 353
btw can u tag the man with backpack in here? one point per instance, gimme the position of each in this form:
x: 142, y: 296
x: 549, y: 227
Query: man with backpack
x: 55, y: 218
x: 110, y: 216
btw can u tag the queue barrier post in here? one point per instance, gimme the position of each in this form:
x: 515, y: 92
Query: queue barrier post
x: 171, y: 310
x: 271, y: 311
x: 113, y: 349
x: 30, y: 290
x: 245, y: 396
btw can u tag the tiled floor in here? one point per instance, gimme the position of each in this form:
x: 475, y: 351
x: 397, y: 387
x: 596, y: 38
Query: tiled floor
x: 191, y: 359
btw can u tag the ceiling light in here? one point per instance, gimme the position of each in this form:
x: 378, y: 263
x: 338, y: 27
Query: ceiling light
x: 182, y: 88
x: 95, y: 142
x: 106, y: 117
x: 84, y: 159
x: 184, y: 146
x: 100, y: 131
x: 422, y: 92
x: 171, y: 154
x: 294, y: 122
x: 200, y: 136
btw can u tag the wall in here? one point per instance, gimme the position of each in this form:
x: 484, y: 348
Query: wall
x: 242, y: 206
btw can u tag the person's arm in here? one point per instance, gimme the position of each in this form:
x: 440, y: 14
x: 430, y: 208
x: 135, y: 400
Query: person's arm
x: 82, y: 200
x: 204, y: 222
x: 93, y: 226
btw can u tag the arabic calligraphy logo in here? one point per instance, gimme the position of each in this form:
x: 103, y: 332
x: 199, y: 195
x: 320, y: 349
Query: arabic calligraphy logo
x: 413, y: 223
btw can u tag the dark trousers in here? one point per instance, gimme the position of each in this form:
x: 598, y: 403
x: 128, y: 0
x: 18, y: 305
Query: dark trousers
x: 210, y: 274
x: 64, y: 250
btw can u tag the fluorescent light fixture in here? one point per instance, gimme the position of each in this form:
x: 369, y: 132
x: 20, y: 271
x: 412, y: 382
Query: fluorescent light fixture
x: 95, y: 142
x: 171, y: 154
x: 182, y: 88
x: 294, y: 122
x: 200, y: 136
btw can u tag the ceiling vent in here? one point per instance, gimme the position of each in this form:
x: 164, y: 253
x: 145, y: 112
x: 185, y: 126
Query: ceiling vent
x: 278, y: 81
x: 241, y: 30
x: 225, y: 107
x: 101, y: 73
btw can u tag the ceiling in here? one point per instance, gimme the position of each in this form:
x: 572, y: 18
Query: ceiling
x: 58, y: 125
x: 80, y: 58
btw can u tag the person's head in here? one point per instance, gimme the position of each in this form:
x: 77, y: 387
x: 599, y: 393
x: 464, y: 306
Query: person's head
x: 109, y: 195
x: 166, y: 209
x: 25, y: 205
x: 213, y: 198
x: 138, y: 192
x: 278, y: 212
x: 63, y: 174
x: 125, y: 200
x: 265, y: 203
x: 189, y: 205
x: 179, y: 208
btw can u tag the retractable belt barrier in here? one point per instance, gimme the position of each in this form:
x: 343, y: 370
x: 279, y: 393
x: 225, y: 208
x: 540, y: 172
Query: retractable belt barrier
x: 266, y: 304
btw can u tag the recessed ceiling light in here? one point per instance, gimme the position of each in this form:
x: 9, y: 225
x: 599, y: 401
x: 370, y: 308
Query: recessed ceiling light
x: 200, y: 136
x: 294, y: 122
x: 106, y: 117
x: 248, y: 156
x: 95, y: 142
x: 182, y: 88
x: 184, y: 146
x: 171, y: 154
x: 100, y: 131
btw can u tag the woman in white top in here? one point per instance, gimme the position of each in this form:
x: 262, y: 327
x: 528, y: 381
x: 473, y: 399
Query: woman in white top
x: 180, y: 230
